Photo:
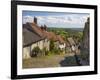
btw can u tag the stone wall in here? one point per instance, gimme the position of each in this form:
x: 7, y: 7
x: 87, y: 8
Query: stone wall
x: 85, y: 43
x: 85, y: 39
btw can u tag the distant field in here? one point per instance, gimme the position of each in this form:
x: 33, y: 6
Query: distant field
x: 75, y: 33
x: 65, y: 29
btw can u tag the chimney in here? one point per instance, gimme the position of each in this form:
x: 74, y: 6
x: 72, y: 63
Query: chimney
x: 45, y: 27
x: 42, y: 28
x: 35, y: 20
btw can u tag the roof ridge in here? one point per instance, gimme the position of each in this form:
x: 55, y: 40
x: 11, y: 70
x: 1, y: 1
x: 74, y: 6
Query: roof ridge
x: 37, y: 29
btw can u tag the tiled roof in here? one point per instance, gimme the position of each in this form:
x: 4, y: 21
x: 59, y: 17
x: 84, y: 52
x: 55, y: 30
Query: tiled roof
x: 61, y: 40
x: 42, y: 33
x: 52, y: 36
x: 37, y: 29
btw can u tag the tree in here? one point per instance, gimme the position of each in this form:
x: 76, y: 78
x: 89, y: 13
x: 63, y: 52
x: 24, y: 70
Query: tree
x: 78, y: 36
x: 35, y: 52
x: 52, y: 45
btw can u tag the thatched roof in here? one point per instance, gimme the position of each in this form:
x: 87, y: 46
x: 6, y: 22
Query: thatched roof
x: 71, y: 41
x: 67, y: 44
x: 29, y: 37
x: 31, y: 33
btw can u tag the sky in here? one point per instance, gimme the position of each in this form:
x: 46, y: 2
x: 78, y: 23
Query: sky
x: 56, y: 19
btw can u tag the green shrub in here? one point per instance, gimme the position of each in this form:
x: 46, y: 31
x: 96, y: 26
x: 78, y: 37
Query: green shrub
x: 44, y: 51
x: 52, y: 45
x: 49, y: 53
x: 35, y: 52
x: 57, y: 51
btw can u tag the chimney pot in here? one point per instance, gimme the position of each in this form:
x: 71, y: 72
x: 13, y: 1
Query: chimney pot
x: 35, y: 20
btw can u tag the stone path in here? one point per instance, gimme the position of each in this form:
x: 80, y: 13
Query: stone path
x: 50, y: 61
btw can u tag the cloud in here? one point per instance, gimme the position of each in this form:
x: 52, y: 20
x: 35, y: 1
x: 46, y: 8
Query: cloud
x: 70, y: 19
x: 27, y: 19
x: 63, y: 19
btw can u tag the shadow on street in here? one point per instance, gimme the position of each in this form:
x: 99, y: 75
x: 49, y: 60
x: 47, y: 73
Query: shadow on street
x: 72, y: 61
x: 69, y: 61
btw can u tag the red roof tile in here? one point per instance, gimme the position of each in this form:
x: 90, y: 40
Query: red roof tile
x: 60, y: 38
x: 37, y: 29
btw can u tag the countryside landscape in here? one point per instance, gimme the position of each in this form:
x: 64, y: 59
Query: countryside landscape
x: 55, y: 39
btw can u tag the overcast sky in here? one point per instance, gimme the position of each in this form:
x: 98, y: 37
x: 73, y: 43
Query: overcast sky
x: 56, y: 19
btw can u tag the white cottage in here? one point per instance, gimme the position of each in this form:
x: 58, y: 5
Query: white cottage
x: 30, y: 40
x: 62, y: 43
x: 33, y: 37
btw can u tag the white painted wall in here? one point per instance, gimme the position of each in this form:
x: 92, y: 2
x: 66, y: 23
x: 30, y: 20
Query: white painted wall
x: 33, y: 45
x: 47, y: 44
x: 26, y: 52
x: 41, y: 44
x: 62, y: 46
